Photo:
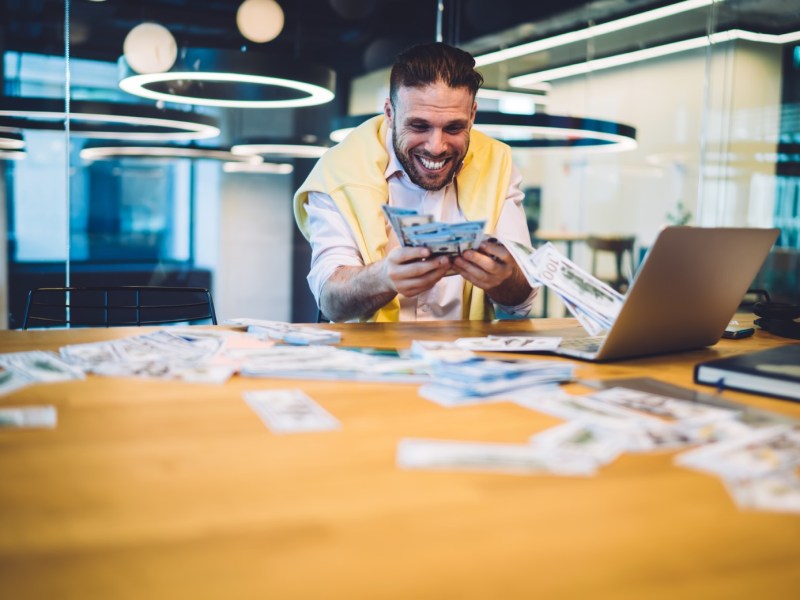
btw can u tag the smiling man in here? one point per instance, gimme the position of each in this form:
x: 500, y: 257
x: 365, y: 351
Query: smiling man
x: 421, y: 154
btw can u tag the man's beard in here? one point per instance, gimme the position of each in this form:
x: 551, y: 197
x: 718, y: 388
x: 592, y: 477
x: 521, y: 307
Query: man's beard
x: 422, y: 178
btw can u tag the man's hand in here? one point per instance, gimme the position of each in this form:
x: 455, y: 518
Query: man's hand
x: 492, y: 268
x: 411, y: 271
x: 357, y: 292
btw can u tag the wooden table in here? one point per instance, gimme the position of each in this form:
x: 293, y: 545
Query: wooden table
x: 150, y: 489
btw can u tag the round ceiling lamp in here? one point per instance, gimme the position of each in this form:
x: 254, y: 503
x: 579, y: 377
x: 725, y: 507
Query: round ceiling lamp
x: 545, y: 131
x: 11, y: 140
x: 536, y: 131
x: 106, y: 120
x: 259, y: 20
x: 264, y: 168
x: 233, y: 79
x: 12, y: 154
x: 92, y: 152
x: 150, y: 48
x: 282, y: 149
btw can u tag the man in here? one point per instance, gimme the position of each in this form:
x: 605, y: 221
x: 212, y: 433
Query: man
x: 420, y: 154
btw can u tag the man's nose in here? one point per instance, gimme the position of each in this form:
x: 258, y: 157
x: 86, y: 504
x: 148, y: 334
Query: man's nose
x: 437, y: 144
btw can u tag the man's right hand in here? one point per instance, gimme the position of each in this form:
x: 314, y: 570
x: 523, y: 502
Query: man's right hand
x: 357, y: 292
x: 410, y: 270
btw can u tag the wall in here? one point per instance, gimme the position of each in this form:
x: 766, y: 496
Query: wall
x: 684, y: 150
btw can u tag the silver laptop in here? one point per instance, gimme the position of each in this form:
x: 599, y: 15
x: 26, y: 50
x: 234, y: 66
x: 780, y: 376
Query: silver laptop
x: 684, y: 294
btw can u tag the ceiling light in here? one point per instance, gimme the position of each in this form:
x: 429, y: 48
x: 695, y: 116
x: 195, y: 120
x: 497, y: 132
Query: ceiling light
x: 265, y: 168
x: 342, y: 126
x: 117, y: 151
x: 590, y: 32
x: 534, y: 131
x: 150, y: 48
x: 647, y: 53
x: 106, y: 120
x: 12, y: 154
x: 266, y: 147
x: 233, y: 79
x: 259, y: 20
x: 11, y: 140
x: 547, y: 132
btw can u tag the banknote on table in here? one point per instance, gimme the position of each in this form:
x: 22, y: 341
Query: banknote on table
x: 576, y: 438
x: 288, y: 333
x: 663, y: 407
x: 518, y: 459
x: 179, y: 355
x: 508, y: 343
x: 759, y: 453
x: 775, y: 492
x: 25, y: 417
x: 437, y: 351
x: 20, y: 369
x: 290, y: 411
x: 484, y: 377
x: 326, y: 362
x: 443, y: 239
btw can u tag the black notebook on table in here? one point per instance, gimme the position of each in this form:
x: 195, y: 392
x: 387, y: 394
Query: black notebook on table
x: 774, y: 372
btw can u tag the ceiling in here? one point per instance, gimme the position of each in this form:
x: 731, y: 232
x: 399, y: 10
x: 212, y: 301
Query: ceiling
x: 352, y: 37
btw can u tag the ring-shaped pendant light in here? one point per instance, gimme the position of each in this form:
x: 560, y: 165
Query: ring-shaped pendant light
x: 106, y: 120
x: 11, y: 140
x: 233, y: 79
x: 279, y: 149
x: 104, y: 151
x: 536, y: 131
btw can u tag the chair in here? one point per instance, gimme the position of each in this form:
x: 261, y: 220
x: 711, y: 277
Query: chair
x: 618, y: 246
x: 118, y: 306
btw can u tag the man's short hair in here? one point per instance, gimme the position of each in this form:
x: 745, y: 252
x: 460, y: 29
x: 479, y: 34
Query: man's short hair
x: 427, y: 64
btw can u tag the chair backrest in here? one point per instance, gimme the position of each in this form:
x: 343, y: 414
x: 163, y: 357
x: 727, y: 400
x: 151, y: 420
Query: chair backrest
x: 618, y: 246
x: 118, y: 306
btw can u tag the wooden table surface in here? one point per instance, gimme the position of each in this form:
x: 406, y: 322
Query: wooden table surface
x: 150, y: 489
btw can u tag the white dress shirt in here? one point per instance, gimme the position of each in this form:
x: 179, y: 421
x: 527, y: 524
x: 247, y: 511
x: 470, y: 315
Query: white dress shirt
x: 333, y: 244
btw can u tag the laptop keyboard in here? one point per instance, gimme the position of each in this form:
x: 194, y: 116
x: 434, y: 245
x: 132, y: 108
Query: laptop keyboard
x: 582, y: 344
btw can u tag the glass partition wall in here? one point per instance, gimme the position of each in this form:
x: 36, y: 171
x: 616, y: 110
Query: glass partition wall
x: 712, y: 91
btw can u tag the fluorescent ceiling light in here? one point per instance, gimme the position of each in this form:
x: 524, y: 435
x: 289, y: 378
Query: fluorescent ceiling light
x: 591, y: 32
x: 599, y: 64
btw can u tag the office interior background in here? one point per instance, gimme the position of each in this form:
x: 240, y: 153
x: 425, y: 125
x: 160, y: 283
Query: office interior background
x: 630, y: 115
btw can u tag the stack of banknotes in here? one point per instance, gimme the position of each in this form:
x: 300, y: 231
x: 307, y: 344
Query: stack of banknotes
x: 288, y: 333
x: 461, y: 381
x: 443, y: 239
x: 594, y: 303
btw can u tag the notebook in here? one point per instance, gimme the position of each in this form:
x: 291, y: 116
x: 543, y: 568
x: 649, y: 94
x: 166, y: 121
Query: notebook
x: 684, y: 294
x: 775, y: 372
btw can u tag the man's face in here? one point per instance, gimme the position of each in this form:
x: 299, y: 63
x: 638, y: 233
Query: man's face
x: 430, y: 131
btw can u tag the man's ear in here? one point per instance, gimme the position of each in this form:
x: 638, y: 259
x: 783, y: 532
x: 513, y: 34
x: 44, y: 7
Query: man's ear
x: 387, y: 110
x: 474, y: 112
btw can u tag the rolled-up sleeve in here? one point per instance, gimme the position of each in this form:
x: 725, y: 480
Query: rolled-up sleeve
x: 332, y: 242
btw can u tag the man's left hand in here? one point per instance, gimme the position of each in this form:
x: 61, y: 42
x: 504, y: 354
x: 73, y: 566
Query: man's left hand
x: 492, y: 268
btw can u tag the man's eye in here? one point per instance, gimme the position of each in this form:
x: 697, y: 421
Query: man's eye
x: 453, y: 129
x: 419, y: 126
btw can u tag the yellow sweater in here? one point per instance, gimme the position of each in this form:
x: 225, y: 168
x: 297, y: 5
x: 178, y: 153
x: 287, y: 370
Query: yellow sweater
x: 353, y: 175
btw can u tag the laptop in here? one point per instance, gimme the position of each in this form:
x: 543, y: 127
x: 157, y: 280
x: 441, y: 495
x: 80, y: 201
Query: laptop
x: 684, y: 294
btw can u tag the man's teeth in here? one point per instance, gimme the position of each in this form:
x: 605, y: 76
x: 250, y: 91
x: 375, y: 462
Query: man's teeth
x: 433, y: 165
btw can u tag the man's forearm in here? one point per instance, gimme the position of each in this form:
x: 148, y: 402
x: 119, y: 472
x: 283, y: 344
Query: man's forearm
x: 355, y: 293
x: 514, y: 290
